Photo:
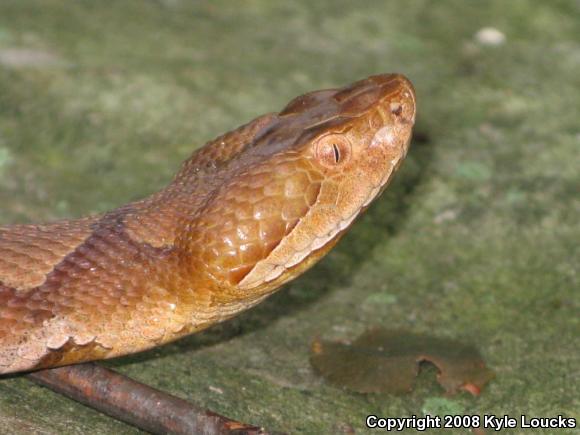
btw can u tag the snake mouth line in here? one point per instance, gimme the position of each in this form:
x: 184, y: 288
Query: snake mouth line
x: 320, y: 241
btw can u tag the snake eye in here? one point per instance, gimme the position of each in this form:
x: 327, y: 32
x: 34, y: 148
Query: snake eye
x: 333, y: 150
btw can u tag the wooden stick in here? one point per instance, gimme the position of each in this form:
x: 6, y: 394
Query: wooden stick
x: 135, y: 403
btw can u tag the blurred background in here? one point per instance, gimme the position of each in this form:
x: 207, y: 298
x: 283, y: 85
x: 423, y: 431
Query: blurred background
x: 477, y: 238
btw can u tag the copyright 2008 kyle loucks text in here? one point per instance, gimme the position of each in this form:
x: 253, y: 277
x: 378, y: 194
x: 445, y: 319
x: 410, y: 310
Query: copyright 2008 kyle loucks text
x: 487, y: 421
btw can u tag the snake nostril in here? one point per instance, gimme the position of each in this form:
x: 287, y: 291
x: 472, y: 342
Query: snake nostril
x: 396, y: 109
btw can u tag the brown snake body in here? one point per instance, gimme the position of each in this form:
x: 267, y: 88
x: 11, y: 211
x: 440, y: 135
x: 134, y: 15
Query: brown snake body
x: 245, y: 214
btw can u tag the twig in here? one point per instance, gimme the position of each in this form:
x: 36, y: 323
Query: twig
x: 135, y: 403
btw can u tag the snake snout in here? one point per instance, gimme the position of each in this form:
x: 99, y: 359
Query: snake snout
x: 392, y: 93
x: 398, y: 97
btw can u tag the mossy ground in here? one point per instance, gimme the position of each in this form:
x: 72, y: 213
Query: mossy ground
x: 477, y: 238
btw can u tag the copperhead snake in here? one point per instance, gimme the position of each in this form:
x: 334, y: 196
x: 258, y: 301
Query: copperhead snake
x: 246, y: 213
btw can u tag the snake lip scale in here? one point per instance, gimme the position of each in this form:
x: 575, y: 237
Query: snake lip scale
x: 246, y: 213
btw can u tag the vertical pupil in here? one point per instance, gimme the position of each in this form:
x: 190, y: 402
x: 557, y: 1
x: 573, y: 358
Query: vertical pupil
x: 336, y: 153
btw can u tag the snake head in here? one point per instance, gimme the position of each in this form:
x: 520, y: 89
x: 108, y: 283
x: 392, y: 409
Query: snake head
x: 301, y: 181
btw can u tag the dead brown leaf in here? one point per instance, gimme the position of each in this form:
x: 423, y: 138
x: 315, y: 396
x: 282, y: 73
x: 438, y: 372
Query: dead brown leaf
x: 382, y: 361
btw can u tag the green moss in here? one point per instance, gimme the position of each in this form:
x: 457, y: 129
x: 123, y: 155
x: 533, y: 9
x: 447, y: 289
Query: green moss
x: 475, y: 240
x: 442, y: 406
x: 4, y: 157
